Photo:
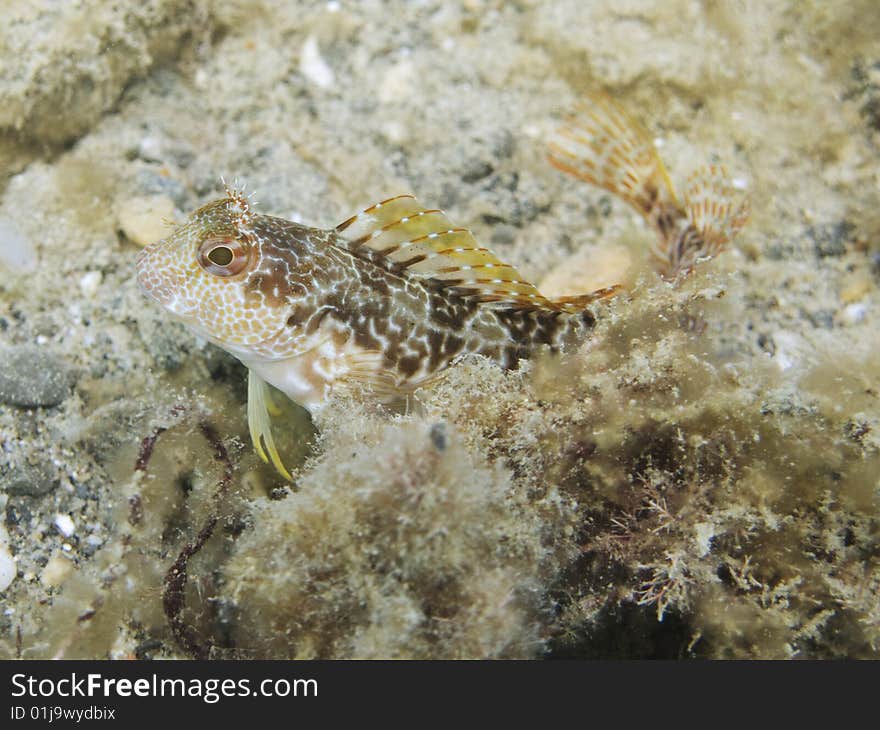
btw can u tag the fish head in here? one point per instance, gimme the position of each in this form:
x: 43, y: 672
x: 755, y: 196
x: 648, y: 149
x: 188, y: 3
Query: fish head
x: 215, y: 274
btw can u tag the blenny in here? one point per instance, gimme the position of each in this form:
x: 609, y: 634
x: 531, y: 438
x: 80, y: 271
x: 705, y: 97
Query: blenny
x: 389, y: 298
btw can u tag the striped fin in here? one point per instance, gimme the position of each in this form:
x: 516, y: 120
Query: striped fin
x: 366, y: 226
x: 712, y: 222
x: 424, y: 243
x: 602, y: 145
x: 369, y: 371
x: 579, y: 302
x: 709, y: 201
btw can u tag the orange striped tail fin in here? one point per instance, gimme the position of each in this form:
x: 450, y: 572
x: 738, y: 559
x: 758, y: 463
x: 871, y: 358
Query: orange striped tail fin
x: 710, y: 201
x: 602, y: 145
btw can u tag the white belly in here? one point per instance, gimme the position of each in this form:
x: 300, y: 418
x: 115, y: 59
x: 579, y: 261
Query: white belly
x: 334, y: 363
x: 302, y: 379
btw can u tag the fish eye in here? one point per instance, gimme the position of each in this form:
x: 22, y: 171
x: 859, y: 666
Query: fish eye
x: 222, y: 256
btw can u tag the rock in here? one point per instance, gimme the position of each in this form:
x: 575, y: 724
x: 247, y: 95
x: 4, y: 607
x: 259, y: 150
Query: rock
x: 313, y: 66
x: 145, y: 219
x: 64, y: 524
x: 56, y: 570
x: 830, y: 239
x: 30, y: 481
x: 7, y: 568
x: 31, y: 376
x: 592, y: 268
x: 16, y: 251
x: 80, y: 57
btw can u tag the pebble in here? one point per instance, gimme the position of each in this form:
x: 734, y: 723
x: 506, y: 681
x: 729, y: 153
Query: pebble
x: 476, y: 169
x: 17, y: 514
x: 789, y: 350
x: 830, y: 239
x: 29, y: 481
x: 704, y: 533
x: 91, y: 544
x: 90, y: 282
x: 150, y: 149
x: 398, y: 82
x: 855, y: 287
x: 394, y: 131
x: 145, y: 219
x: 64, y: 524
x: 438, y: 436
x: 32, y: 376
x: 855, y: 313
x: 313, y: 66
x: 7, y: 568
x: 151, y: 184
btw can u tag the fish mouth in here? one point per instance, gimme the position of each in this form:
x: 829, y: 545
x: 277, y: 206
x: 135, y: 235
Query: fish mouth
x: 142, y: 274
x: 160, y: 287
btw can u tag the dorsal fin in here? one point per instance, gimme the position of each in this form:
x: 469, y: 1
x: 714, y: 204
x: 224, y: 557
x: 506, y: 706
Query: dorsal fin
x: 424, y: 243
x: 579, y: 302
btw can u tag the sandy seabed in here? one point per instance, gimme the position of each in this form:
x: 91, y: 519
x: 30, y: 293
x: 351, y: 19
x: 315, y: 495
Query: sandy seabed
x: 700, y: 480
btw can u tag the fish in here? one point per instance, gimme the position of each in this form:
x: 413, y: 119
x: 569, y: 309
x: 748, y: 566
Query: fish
x: 387, y: 300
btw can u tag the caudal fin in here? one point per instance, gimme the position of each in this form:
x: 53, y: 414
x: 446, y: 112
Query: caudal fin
x: 712, y: 211
x: 602, y: 145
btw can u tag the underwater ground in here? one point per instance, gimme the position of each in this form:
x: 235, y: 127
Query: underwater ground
x: 701, y: 479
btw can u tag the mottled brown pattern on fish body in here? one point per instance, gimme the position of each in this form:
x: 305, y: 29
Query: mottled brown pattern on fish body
x: 419, y: 326
x: 388, y: 308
